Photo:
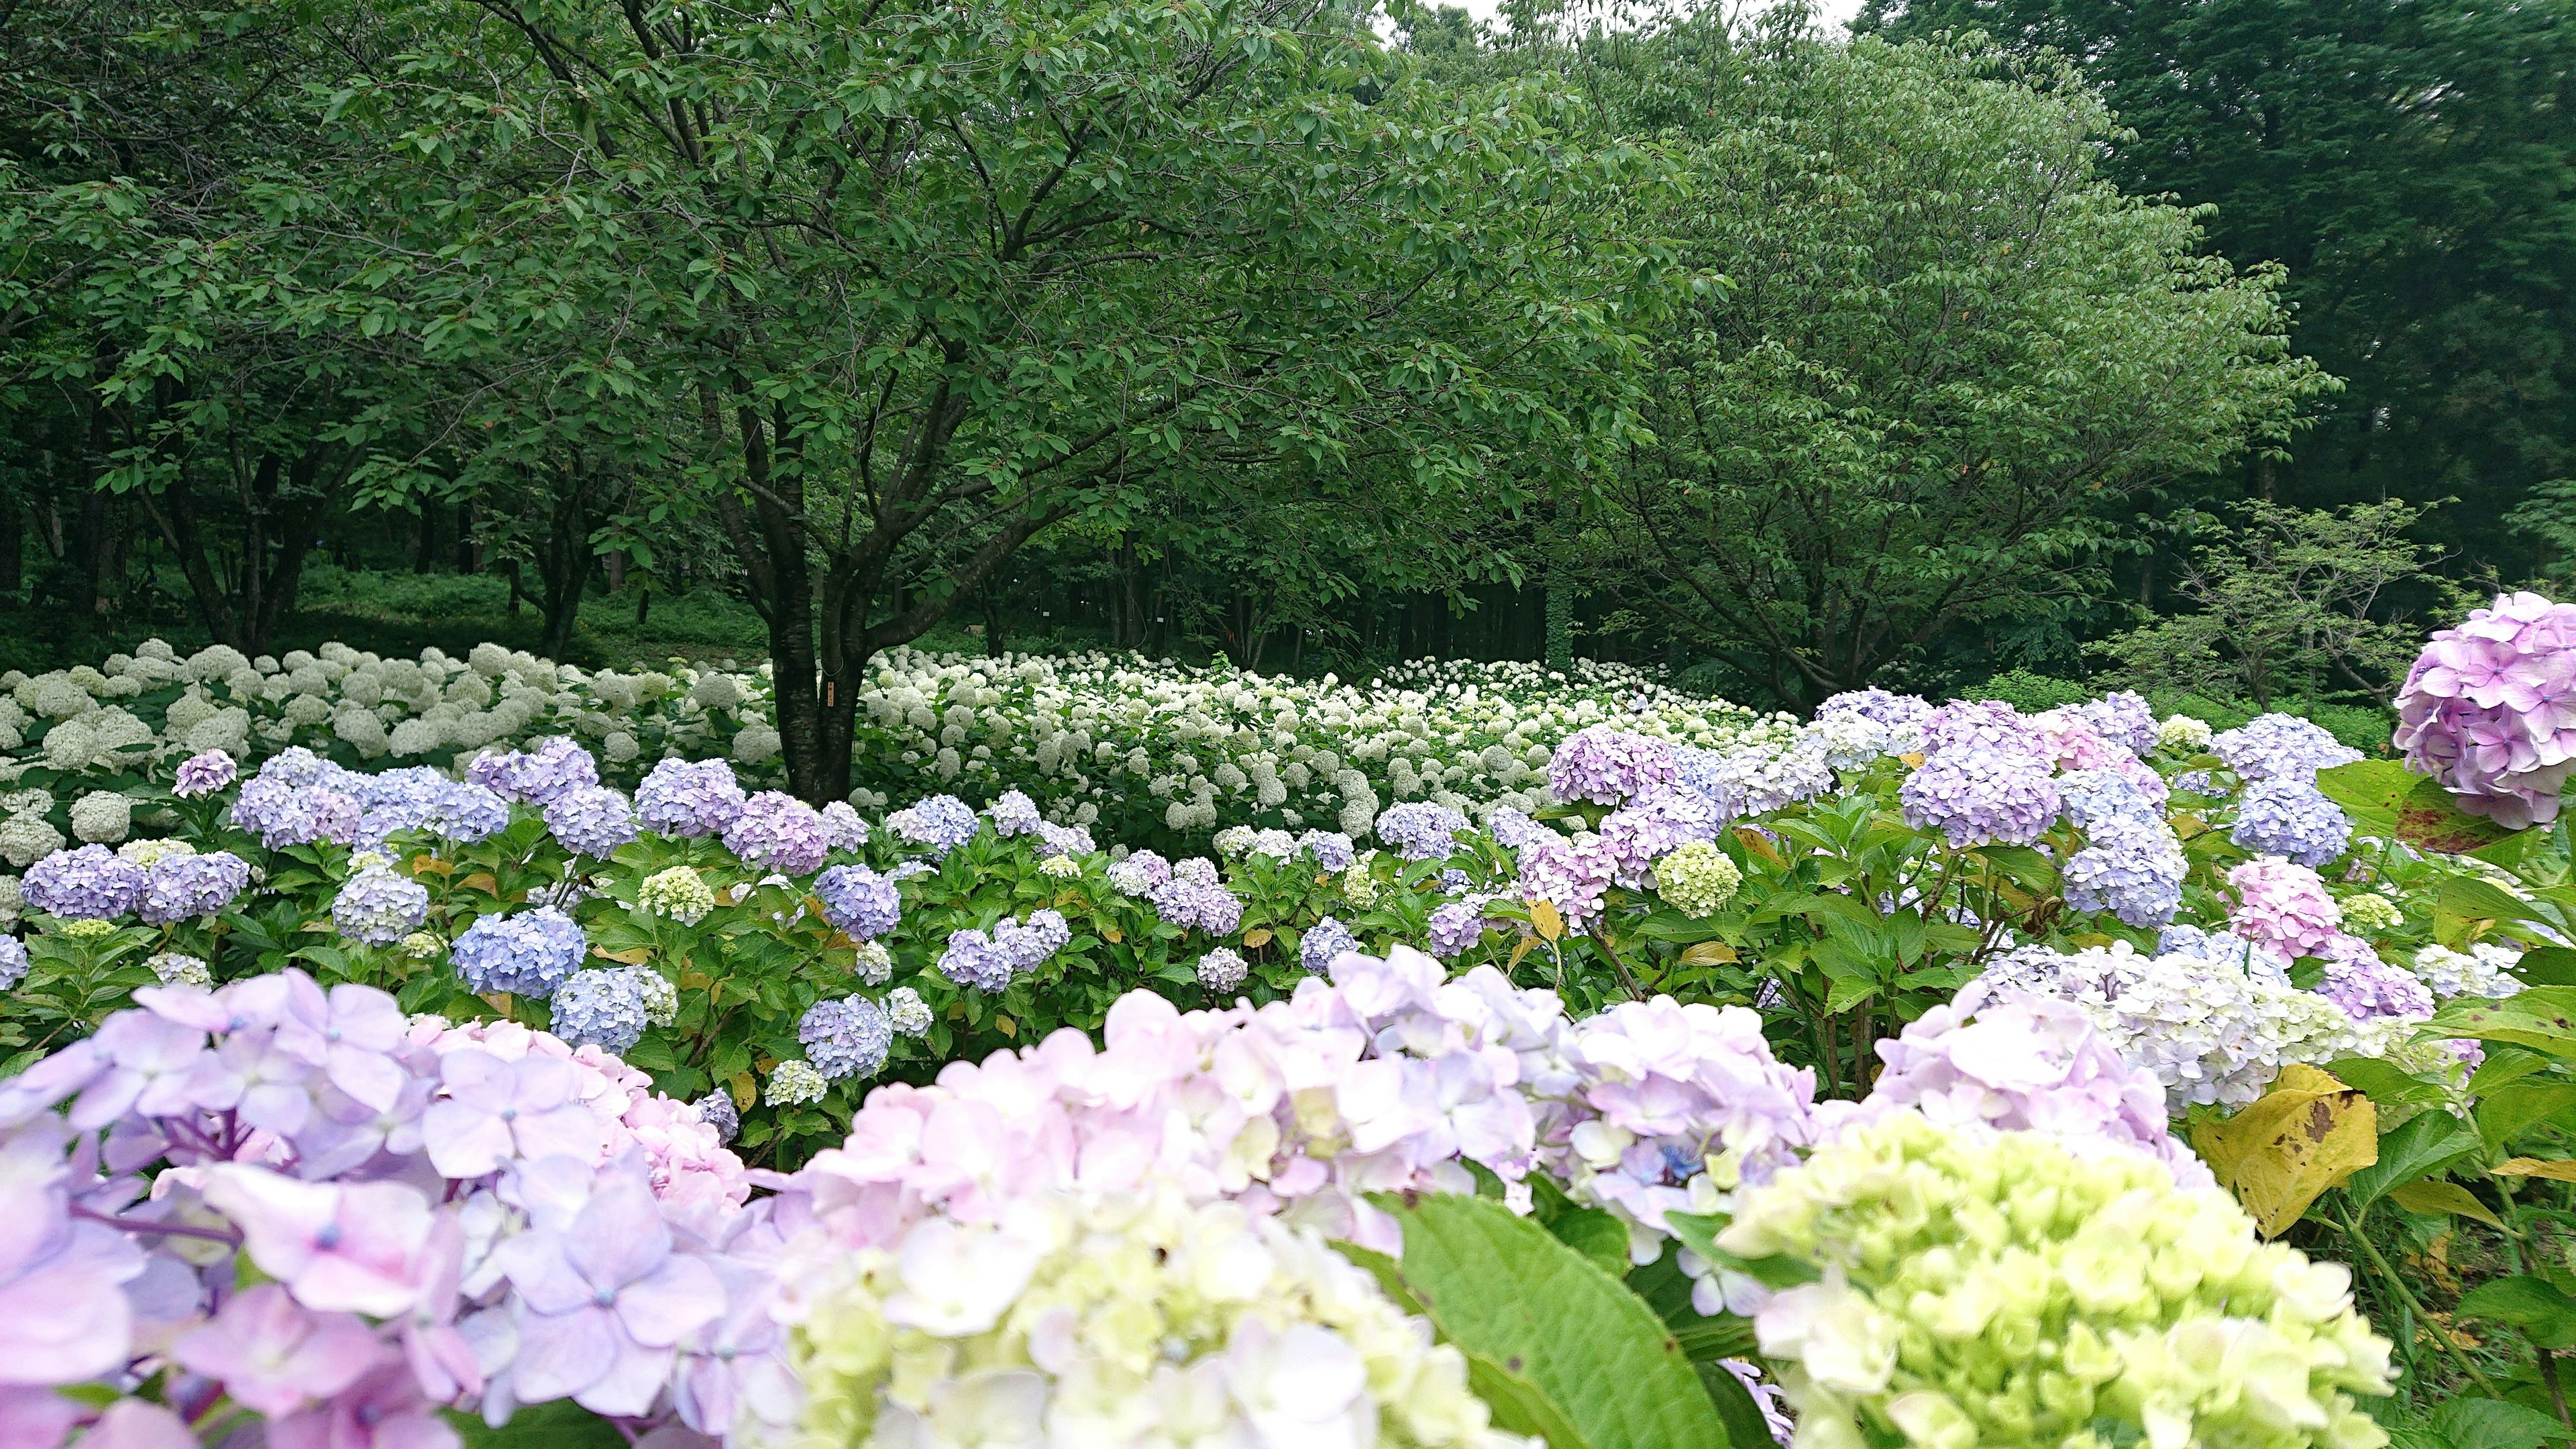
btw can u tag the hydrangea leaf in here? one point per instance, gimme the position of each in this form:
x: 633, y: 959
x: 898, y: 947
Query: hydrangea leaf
x: 2493, y: 1424
x: 2422, y: 1146
x: 1597, y: 1235
x: 2531, y: 1304
x: 1503, y: 1288
x: 2309, y: 1133
x: 2439, y: 1199
x: 2385, y: 798
x: 561, y: 1424
x: 2543, y: 1018
x: 2560, y: 1171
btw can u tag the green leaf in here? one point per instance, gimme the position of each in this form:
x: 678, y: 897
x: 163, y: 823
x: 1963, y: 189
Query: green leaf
x: 2548, y: 966
x: 1735, y: 1406
x: 561, y: 1424
x: 2436, y: 1199
x: 2493, y: 1424
x: 2388, y: 1084
x: 2508, y: 1112
x: 2542, y: 1018
x: 1699, y: 1234
x: 1503, y: 1288
x: 2426, y: 1144
x: 1597, y: 1235
x: 2530, y: 1304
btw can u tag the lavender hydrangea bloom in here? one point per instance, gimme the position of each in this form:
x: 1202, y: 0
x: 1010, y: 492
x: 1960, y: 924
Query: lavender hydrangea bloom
x: 1987, y: 724
x: 1014, y: 813
x: 529, y: 954
x: 1421, y: 830
x: 2367, y: 987
x: 555, y: 767
x: 282, y: 814
x: 379, y: 907
x: 397, y: 801
x: 1140, y: 874
x: 1654, y: 825
x: 184, y: 887
x: 848, y: 1037
x: 1066, y: 840
x: 203, y: 774
x: 1324, y: 943
x: 92, y: 883
x: 2089, y: 797
x: 941, y: 822
x: 602, y: 1008
x: 1514, y: 831
x: 1024, y: 945
x: 1605, y: 766
x: 1189, y: 901
x: 2124, y: 718
x: 2288, y: 816
x: 13, y: 962
x: 591, y: 820
x: 859, y: 902
x: 2132, y: 867
x: 689, y: 797
x: 1329, y: 849
x: 1456, y: 927
x: 843, y: 827
x: 1976, y: 795
x: 1570, y: 875
x: 776, y: 831
x: 716, y: 1109
x: 2280, y: 746
x: 970, y: 960
x: 1896, y: 711
x: 2489, y: 709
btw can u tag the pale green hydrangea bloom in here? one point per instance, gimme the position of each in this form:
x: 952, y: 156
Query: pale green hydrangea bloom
x: 679, y: 893
x: 1997, y: 1289
x: 1697, y: 878
x: 795, y: 1080
x: 2370, y: 913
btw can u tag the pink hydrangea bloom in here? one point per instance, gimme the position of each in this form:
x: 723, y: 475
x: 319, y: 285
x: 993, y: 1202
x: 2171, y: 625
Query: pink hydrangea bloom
x: 2283, y: 905
x: 2490, y: 709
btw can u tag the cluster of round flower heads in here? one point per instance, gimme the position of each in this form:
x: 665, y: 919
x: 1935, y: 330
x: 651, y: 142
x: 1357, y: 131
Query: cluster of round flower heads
x: 2489, y: 709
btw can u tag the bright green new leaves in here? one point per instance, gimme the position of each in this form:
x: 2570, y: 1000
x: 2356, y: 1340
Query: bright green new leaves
x: 1556, y: 1345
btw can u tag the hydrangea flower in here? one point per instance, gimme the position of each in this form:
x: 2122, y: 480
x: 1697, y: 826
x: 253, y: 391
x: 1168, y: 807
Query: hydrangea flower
x: 1654, y: 825
x: 677, y: 892
x: 1880, y: 706
x: 906, y: 1012
x: 536, y: 777
x: 2280, y: 746
x: 1572, y: 876
x: 1421, y: 830
x: 13, y: 962
x: 843, y: 827
x: 184, y: 887
x: 1456, y: 927
x: 2489, y: 709
x: 2283, y: 905
x: 529, y: 954
x: 2182, y: 734
x: 1196, y: 901
x: 2367, y: 987
x: 1023, y: 945
x: 1222, y: 969
x: 282, y: 814
x: 600, y: 1007
x: 940, y: 822
x: 1605, y: 766
x: 717, y: 1110
x: 1977, y: 795
x: 1985, y: 724
x: 1060, y: 867
x: 2124, y: 718
x: 1014, y: 813
x: 2288, y: 816
x: 102, y: 817
x: 2368, y: 913
x: 591, y: 820
x: 860, y: 903
x: 689, y: 798
x: 2088, y: 797
x: 795, y: 1082
x: 1329, y: 849
x: 1323, y: 943
x: 91, y: 883
x: 845, y: 1037
x: 873, y: 962
x: 1697, y: 879
x: 177, y: 968
x: 969, y: 959
x: 203, y: 774
x: 2102, y: 1288
x: 776, y: 831
x: 378, y: 907
x: 2482, y: 970
x: 2132, y: 867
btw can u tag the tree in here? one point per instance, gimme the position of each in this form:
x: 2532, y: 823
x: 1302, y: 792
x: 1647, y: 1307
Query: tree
x: 2414, y: 168
x: 1945, y: 353
x: 2292, y: 600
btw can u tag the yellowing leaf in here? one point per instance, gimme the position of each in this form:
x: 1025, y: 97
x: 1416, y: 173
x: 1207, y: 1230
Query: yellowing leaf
x: 2561, y: 1171
x: 481, y: 880
x: 745, y: 1090
x: 2088, y: 939
x: 2307, y: 1134
x: 1006, y: 1026
x: 631, y: 956
x: 425, y: 864
x: 1257, y: 938
x: 1550, y: 924
x: 1758, y: 843
x: 1913, y: 758
x: 1521, y: 950
x: 696, y: 981
x: 2438, y: 1198
x: 1113, y: 934
x: 1709, y: 953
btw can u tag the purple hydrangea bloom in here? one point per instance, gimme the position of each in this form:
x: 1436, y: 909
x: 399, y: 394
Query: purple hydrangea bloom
x: 13, y: 962
x: 1454, y: 881
x: 604, y: 1299
x: 2288, y: 816
x: 591, y: 820
x: 1329, y: 849
x: 1514, y: 831
x: 2367, y: 987
x: 1024, y: 945
x: 941, y: 822
x: 379, y: 907
x: 1893, y: 710
x: 1140, y: 874
x: 970, y: 960
x: 847, y: 1037
x: 2489, y: 709
x: 1186, y: 900
x: 282, y: 814
x: 529, y: 954
x: 1975, y: 795
x: 1570, y: 875
x: 842, y: 826
x: 555, y: 767
x: 776, y: 831
x: 183, y: 887
x: 466, y: 812
x: 2280, y: 746
x: 203, y: 774
x: 1605, y: 766
x: 1324, y: 942
x: 2089, y: 797
x: 397, y: 801
x: 1420, y: 830
x: 1989, y: 724
x: 92, y: 883
x: 1064, y: 839
x: 1456, y: 927
x: 1654, y: 825
x: 602, y: 1008
x: 2124, y: 718
x: 1014, y: 814
x: 859, y: 902
x: 689, y: 797
x: 716, y: 1109
x: 2131, y: 866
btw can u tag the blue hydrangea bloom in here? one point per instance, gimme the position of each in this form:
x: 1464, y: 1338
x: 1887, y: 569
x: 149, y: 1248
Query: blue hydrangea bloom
x: 1421, y: 830
x: 858, y: 901
x: 92, y: 883
x: 602, y: 1008
x: 970, y: 960
x: 2287, y: 815
x: 1014, y: 814
x: 1323, y: 943
x: 591, y: 820
x: 2131, y: 867
x: 690, y: 797
x: 2279, y: 746
x: 1975, y: 795
x: 941, y: 822
x: 379, y: 907
x: 13, y: 962
x: 776, y: 831
x: 536, y: 776
x: 847, y: 1037
x: 530, y: 953
x: 1329, y: 849
x: 1024, y: 945
x: 183, y: 887
x: 2089, y: 797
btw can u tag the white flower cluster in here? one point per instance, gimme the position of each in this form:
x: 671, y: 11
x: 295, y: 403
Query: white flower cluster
x: 2482, y: 970
x: 1209, y: 743
x: 150, y: 708
x: 1118, y: 1320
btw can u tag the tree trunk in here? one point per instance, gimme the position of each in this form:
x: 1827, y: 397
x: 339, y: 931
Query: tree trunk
x: 424, y: 552
x: 13, y: 548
